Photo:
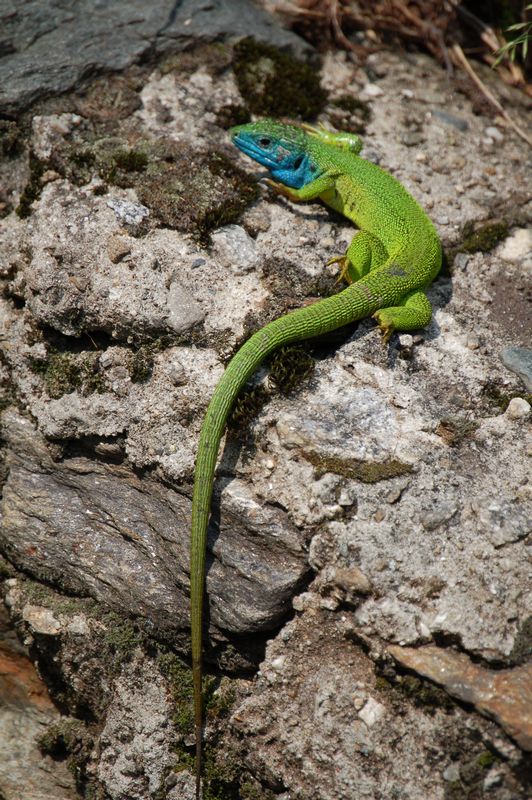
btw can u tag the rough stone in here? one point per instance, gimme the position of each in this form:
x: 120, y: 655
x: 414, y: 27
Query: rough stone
x: 126, y: 542
x: 519, y: 360
x: 397, y: 474
x: 503, y: 695
x: 47, y: 48
x: 26, y: 710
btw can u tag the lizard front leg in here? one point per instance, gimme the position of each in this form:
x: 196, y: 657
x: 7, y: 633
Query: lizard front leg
x: 310, y: 191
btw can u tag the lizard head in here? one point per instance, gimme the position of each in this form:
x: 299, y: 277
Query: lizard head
x: 283, y: 149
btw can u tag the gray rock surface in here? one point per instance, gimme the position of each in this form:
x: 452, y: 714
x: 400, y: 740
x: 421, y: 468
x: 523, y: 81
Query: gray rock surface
x: 398, y: 475
x: 48, y: 47
x: 519, y: 360
x: 26, y: 711
x: 126, y: 541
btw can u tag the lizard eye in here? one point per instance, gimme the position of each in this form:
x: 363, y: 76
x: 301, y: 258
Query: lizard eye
x: 298, y: 162
x: 264, y: 141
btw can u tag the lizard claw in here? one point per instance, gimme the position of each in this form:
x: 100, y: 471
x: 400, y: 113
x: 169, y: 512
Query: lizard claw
x: 344, y: 268
x: 386, y: 328
x: 280, y: 188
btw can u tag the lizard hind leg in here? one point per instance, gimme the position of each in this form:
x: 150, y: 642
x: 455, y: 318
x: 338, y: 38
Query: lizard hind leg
x: 366, y: 252
x: 343, y: 140
x: 414, y: 312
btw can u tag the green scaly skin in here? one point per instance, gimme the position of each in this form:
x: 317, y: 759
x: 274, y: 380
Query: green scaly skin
x: 395, y: 254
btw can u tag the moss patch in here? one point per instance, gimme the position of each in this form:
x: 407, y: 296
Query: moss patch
x: 367, y: 472
x: 11, y: 141
x: 63, y: 373
x: 121, y: 637
x: 289, y: 367
x: 348, y: 113
x: 33, y: 188
x: 497, y: 398
x: 110, y: 158
x: 232, y: 114
x: 276, y: 84
x: 424, y: 694
x: 522, y: 649
x: 69, y: 739
x: 42, y: 595
x: 482, y: 238
x: 180, y: 678
x: 195, y: 192
x: 248, y: 405
x: 469, y: 785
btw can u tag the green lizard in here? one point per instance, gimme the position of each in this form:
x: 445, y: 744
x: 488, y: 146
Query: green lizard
x: 392, y: 258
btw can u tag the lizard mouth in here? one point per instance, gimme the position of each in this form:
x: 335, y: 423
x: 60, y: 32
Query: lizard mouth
x: 249, y: 148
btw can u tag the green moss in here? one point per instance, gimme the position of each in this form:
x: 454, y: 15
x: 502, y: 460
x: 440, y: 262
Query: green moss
x: 131, y: 160
x: 33, y: 188
x: 229, y: 115
x: 289, y: 367
x: 250, y: 789
x: 486, y: 759
x: 220, y: 699
x: 367, y: 472
x: 276, y: 84
x: 522, y: 648
x: 472, y: 774
x: 42, y: 595
x: 248, y: 405
x: 455, y: 429
x: 62, y: 737
x: 483, y: 237
x: 196, y: 192
x: 6, y: 569
x: 180, y: 678
x: 348, y: 113
x: 140, y: 364
x: 11, y: 143
x: 424, y: 694
x: 71, y: 740
x: 108, y: 157
x: 500, y: 399
x: 121, y: 637
x: 64, y: 372
x: 141, y: 361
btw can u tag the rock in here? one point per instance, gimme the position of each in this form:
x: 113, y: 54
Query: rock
x: 517, y: 246
x: 503, y: 695
x: 48, y: 49
x: 372, y: 90
x: 518, y: 408
x: 128, y: 213
x: 412, y: 138
x: 450, y: 119
x: 235, y: 248
x: 130, y: 537
x: 519, y: 360
x: 26, y: 710
x: 338, y: 720
x: 494, y: 133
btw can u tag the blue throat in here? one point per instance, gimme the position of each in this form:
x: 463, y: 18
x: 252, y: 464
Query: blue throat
x: 297, y: 174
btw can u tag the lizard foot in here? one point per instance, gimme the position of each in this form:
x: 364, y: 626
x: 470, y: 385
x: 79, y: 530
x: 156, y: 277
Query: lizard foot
x: 280, y: 188
x: 386, y: 326
x: 343, y: 261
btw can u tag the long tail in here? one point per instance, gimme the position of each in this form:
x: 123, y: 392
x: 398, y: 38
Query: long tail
x: 357, y: 301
